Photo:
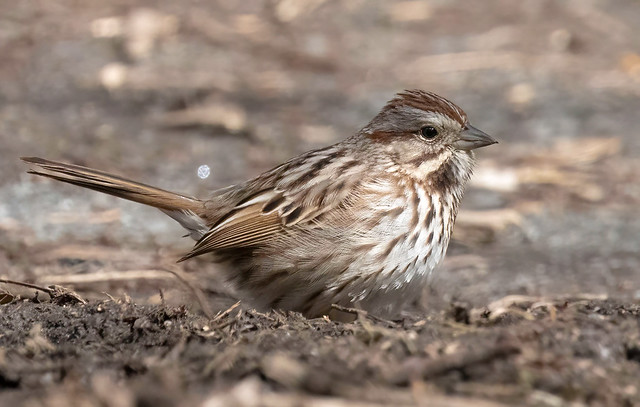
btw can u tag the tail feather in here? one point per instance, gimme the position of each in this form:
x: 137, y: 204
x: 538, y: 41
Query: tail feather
x: 186, y: 210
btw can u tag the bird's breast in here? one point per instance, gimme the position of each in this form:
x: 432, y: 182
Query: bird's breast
x: 399, y: 253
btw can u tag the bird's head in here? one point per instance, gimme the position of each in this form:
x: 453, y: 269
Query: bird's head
x: 423, y: 133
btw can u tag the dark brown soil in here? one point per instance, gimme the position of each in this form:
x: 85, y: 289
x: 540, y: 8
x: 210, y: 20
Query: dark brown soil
x: 576, y: 350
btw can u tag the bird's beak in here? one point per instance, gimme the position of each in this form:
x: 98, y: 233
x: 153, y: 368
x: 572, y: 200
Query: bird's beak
x: 472, y: 138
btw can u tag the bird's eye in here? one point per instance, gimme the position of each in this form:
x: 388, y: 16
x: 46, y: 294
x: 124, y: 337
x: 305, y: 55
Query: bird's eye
x: 428, y: 132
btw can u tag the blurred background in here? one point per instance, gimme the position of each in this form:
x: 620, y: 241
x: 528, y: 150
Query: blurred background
x: 153, y: 90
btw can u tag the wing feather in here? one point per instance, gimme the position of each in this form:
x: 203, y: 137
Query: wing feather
x: 279, y: 206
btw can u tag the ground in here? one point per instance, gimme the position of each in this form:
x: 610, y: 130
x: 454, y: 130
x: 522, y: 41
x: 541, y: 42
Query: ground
x: 537, y: 302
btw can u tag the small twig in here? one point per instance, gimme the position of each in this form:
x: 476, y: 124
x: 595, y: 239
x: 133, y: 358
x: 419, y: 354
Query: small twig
x: 255, y: 312
x: 229, y: 321
x: 29, y: 285
x: 111, y: 297
x: 225, y: 313
x: 224, y: 324
x: 57, y: 294
x: 362, y: 314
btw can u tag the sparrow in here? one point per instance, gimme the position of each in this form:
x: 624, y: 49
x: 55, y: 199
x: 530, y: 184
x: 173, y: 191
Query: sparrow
x: 361, y: 223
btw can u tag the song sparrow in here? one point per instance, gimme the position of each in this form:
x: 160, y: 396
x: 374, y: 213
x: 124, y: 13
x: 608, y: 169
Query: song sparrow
x: 362, y: 223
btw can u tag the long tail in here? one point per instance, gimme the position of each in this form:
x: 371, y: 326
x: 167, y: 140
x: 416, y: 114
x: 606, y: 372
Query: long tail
x: 186, y: 210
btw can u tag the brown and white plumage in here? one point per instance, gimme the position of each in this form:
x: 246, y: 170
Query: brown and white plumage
x: 363, y: 222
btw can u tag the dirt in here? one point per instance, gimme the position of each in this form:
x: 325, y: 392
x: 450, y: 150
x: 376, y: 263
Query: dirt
x: 537, y: 302
x: 577, y: 350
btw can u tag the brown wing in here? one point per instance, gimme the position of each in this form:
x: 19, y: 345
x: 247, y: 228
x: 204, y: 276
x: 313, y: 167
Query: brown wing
x: 293, y: 198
